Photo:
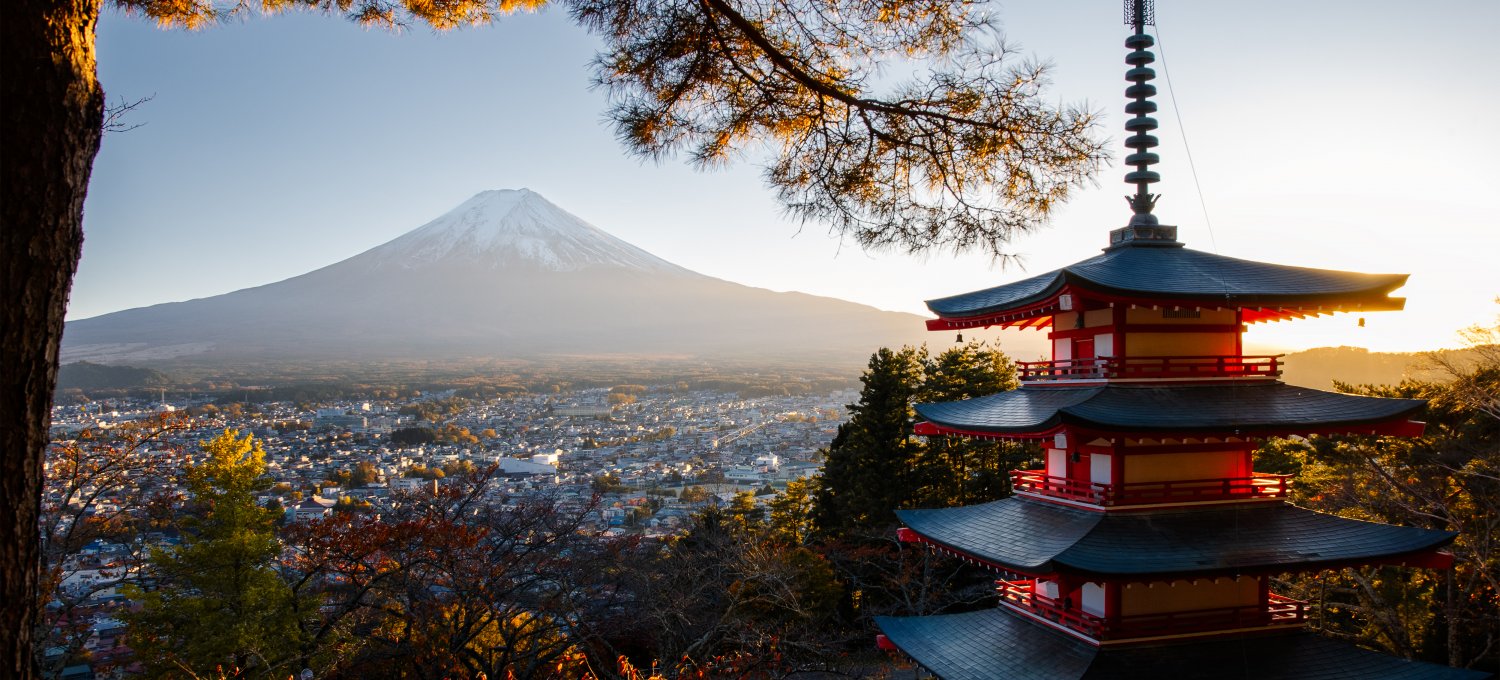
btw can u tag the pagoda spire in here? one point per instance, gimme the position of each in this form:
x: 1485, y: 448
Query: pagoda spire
x: 1138, y: 15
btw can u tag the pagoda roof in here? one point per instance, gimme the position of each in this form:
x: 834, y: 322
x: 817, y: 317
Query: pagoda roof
x: 1266, y: 407
x: 1034, y: 537
x: 1176, y: 274
x: 993, y: 643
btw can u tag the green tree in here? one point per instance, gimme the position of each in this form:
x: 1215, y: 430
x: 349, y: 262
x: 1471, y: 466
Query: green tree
x: 954, y: 471
x: 638, y: 516
x: 352, y: 505
x: 424, y: 472
x: 867, y: 468
x: 408, y: 436
x: 791, y: 512
x: 364, y: 474
x: 277, y: 510
x: 458, y: 468
x: 219, y: 601
x: 608, y: 482
x: 743, y: 508
x: 962, y: 156
x: 875, y: 465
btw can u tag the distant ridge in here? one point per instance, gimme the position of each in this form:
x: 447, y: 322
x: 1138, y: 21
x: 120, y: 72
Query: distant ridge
x: 87, y: 375
x: 1319, y: 367
x: 505, y: 274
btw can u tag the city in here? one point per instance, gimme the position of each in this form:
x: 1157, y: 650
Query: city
x: 655, y: 455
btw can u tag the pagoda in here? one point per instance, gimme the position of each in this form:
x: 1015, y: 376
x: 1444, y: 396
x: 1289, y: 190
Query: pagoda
x: 1146, y: 545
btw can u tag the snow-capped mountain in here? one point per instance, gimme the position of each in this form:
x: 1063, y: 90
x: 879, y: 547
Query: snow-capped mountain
x: 506, y: 274
x: 514, y: 228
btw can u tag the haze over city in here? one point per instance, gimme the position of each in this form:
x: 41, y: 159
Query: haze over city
x: 261, y: 157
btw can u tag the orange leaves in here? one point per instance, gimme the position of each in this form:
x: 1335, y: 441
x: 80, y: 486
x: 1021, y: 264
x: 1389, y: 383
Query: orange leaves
x: 189, y: 14
x: 439, y: 14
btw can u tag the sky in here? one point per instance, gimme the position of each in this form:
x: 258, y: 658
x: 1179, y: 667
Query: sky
x: 1357, y: 135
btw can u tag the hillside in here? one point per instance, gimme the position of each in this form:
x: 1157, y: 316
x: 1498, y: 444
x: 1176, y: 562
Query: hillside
x: 89, y: 375
x: 1321, y: 366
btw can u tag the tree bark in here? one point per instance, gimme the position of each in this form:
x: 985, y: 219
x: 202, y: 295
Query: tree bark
x: 51, y: 110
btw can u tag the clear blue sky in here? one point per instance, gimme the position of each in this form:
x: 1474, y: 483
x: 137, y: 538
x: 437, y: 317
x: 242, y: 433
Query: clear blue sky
x: 1348, y: 135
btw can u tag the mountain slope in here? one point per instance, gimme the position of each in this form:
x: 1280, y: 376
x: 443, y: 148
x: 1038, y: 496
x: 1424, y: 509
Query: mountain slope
x: 505, y: 274
x: 497, y: 229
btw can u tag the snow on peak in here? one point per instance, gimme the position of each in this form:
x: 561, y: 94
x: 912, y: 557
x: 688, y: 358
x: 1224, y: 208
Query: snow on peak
x: 514, y: 226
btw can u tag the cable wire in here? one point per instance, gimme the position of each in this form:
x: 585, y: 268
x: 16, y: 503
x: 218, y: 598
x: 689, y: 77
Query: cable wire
x: 1182, y: 130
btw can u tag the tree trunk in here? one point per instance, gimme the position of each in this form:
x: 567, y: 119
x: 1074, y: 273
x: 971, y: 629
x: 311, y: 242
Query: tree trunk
x: 52, y: 112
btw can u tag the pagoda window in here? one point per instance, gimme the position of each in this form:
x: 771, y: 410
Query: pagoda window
x: 1048, y: 590
x: 1101, y: 468
x: 1057, y: 463
x: 1092, y: 599
x: 1104, y: 345
x: 1062, y: 349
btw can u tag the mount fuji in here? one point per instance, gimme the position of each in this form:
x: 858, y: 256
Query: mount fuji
x: 506, y: 274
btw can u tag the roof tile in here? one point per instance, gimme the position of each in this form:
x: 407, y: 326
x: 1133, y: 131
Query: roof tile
x: 1034, y: 537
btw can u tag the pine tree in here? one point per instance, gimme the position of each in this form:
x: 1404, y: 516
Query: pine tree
x: 791, y: 512
x: 962, y: 471
x: 875, y: 465
x: 219, y: 601
x: 868, y: 466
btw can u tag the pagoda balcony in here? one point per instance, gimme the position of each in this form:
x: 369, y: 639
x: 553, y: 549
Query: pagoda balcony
x: 1278, y: 611
x: 1132, y: 368
x: 1256, y: 487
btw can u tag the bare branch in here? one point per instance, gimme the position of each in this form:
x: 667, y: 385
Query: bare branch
x: 114, y: 114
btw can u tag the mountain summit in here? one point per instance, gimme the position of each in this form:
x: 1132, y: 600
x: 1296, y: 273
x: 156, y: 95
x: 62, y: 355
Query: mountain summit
x: 515, y: 227
x: 506, y: 274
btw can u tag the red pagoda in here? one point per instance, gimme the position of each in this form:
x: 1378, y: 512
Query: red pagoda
x: 1145, y: 547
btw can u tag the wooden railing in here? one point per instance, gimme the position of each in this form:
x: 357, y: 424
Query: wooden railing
x: 1113, y: 368
x: 1278, y: 611
x: 1063, y: 369
x: 1023, y: 594
x: 1257, y: 486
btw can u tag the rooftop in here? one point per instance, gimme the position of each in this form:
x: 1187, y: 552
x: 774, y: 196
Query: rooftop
x: 1155, y: 275
x: 1265, y: 407
x: 1032, y: 537
x: 989, y: 644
